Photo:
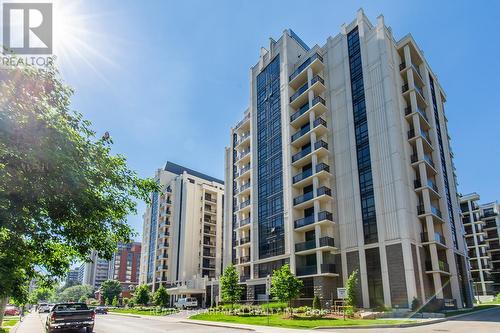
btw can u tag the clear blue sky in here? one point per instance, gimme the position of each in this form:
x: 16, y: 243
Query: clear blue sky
x: 168, y: 79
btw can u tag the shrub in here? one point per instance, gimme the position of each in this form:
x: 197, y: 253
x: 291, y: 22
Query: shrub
x: 131, y: 303
x: 316, y: 303
x: 415, y: 304
x: 274, y: 307
x: 497, y: 298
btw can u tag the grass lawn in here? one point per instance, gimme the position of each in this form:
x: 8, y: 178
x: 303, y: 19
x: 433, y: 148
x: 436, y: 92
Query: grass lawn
x: 8, y: 322
x: 142, y: 312
x: 474, y: 309
x: 277, y: 320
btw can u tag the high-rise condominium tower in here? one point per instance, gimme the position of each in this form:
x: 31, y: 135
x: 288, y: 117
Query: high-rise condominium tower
x: 182, y: 232
x: 342, y: 162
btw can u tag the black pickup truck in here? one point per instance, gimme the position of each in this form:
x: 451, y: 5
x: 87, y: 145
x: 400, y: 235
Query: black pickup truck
x: 70, y: 316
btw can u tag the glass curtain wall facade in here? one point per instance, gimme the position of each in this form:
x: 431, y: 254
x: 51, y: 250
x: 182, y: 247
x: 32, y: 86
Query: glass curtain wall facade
x: 270, y: 162
x: 362, y: 143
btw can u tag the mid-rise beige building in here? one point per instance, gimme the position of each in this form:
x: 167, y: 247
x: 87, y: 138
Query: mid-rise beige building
x: 482, y: 227
x: 343, y: 162
x: 182, y: 232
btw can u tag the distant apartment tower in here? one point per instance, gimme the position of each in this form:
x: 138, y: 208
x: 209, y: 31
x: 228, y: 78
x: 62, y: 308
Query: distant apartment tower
x: 73, y: 277
x: 342, y: 162
x: 482, y: 226
x: 182, y: 231
x: 490, y: 214
x: 96, y: 271
x: 125, y: 264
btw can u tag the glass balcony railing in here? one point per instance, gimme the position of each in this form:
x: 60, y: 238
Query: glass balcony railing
x: 244, y: 222
x: 328, y: 268
x: 244, y: 169
x: 301, y: 176
x: 301, y: 132
x: 303, y: 198
x: 317, y: 78
x: 304, y: 246
x: 302, y: 153
x: 437, y: 238
x: 304, y: 221
x: 299, y: 92
x: 436, y: 212
x: 409, y: 110
x: 442, y: 266
x: 323, y: 190
x: 244, y: 204
x: 326, y: 241
x: 244, y: 259
x: 307, y: 270
x: 303, y: 66
x: 244, y: 187
x: 304, y: 108
x: 325, y: 216
x: 244, y: 240
x: 429, y: 160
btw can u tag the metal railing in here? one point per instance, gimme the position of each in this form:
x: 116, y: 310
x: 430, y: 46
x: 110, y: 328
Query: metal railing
x: 302, y: 153
x: 304, y: 65
x: 301, y: 132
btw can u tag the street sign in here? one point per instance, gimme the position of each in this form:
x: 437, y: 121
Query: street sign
x: 341, y: 293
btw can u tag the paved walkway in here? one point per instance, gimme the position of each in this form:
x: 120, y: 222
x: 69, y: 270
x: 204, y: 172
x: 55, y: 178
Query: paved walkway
x: 30, y: 324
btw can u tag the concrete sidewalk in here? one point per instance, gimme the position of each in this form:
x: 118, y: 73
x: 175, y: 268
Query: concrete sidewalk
x: 30, y: 324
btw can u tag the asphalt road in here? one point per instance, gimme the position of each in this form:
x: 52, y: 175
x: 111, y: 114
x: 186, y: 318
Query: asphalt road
x: 122, y: 324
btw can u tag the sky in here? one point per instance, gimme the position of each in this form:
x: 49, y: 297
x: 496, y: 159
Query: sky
x: 168, y: 79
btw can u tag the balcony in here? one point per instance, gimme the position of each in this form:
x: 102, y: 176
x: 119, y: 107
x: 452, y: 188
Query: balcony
x: 244, y: 187
x: 304, y: 246
x: 443, y: 267
x: 242, y: 156
x: 301, y: 154
x: 209, y: 221
x: 438, y: 238
x: 326, y: 241
x: 209, y: 254
x: 244, y: 259
x: 316, y: 63
x: 310, y: 195
x: 162, y: 267
x: 409, y: 111
x: 162, y: 256
x: 243, y: 121
x: 243, y: 139
x: 301, y: 132
x: 299, y: 118
x: 208, y: 242
x: 208, y: 266
x: 307, y: 270
x: 245, y: 222
x: 328, y: 269
x: 244, y: 170
x: 309, y: 220
x: 244, y: 240
x: 301, y: 176
x: 244, y: 278
x: 301, y: 96
x: 245, y: 204
x: 165, y: 224
x: 210, y: 199
x: 209, y: 231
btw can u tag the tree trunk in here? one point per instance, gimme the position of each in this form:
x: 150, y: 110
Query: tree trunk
x: 3, y: 304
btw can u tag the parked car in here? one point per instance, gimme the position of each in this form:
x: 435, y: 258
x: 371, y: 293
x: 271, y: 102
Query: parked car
x: 186, y: 303
x: 11, y: 311
x: 101, y: 310
x: 70, y: 316
x: 43, y: 307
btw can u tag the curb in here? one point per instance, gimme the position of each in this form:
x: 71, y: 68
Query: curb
x: 404, y: 325
x: 204, y: 323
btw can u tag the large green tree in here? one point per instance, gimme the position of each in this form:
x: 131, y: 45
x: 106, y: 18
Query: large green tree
x: 41, y: 294
x: 161, y: 298
x: 352, y: 290
x: 284, y: 285
x: 110, y: 289
x: 141, y: 295
x: 75, y: 293
x: 230, y: 289
x: 62, y: 191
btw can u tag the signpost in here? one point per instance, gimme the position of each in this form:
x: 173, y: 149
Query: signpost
x: 341, y: 293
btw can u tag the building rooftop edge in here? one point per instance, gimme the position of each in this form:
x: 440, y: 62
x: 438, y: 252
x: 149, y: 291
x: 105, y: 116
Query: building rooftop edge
x: 179, y: 169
